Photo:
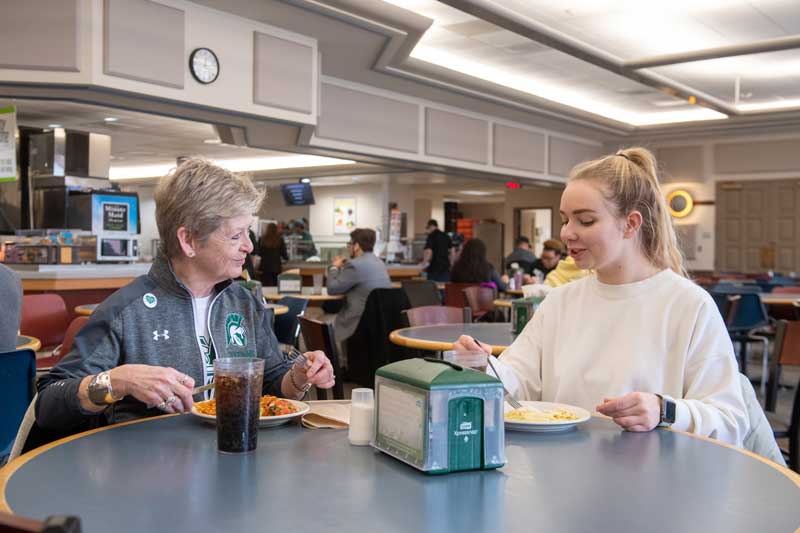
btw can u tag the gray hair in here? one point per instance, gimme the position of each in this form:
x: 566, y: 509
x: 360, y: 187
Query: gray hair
x: 200, y: 196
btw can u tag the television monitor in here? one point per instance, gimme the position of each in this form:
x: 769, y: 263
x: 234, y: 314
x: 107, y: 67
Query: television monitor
x: 297, y: 194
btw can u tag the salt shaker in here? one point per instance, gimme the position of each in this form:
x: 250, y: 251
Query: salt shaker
x: 362, y: 409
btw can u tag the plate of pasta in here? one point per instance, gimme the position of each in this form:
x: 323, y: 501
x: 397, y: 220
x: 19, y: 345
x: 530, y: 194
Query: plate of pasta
x: 274, y: 411
x: 544, y: 416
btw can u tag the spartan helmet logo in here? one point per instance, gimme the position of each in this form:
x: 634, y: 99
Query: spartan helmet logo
x: 235, y: 330
x: 164, y: 335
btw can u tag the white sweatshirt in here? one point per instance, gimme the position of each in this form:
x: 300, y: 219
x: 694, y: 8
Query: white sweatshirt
x: 589, y: 341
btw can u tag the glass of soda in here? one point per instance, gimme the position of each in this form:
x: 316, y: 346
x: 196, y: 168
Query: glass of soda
x: 237, y: 383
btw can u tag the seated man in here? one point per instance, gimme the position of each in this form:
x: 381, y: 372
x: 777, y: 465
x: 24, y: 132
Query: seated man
x: 551, y: 255
x: 11, y: 296
x: 522, y: 255
x: 356, y: 278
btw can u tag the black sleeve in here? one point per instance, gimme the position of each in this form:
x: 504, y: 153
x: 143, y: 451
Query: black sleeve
x: 284, y: 254
x: 429, y: 243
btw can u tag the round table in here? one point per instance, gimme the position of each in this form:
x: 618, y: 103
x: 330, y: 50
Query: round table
x: 272, y: 294
x: 503, y: 304
x: 278, y: 309
x: 85, y: 309
x: 769, y: 298
x: 442, y: 336
x: 27, y: 342
x: 513, y: 292
x: 165, y: 474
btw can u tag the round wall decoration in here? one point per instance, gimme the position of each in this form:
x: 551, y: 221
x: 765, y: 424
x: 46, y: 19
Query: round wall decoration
x: 680, y: 203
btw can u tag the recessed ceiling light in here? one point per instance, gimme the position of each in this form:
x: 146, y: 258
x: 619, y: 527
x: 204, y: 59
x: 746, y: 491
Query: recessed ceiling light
x: 111, y: 119
x: 55, y: 126
x: 477, y: 193
x: 212, y: 141
x: 305, y: 180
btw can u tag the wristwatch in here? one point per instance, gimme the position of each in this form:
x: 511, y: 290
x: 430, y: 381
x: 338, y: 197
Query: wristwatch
x: 100, y: 391
x: 667, y: 415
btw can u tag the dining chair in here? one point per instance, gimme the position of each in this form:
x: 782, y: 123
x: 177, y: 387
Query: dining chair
x: 481, y: 302
x: 287, y: 325
x: 45, y: 317
x: 421, y: 292
x: 796, y: 308
x: 727, y: 304
x: 10, y: 523
x: 17, y: 375
x: 44, y: 364
x: 430, y: 315
x: 319, y: 335
x: 786, y: 289
x: 748, y: 326
x: 454, y: 294
x: 787, y: 350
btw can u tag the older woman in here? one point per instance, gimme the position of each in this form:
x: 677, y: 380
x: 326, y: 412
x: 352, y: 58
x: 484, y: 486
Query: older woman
x: 148, y: 344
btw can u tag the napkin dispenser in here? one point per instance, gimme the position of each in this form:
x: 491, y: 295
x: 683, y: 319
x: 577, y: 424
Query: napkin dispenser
x: 522, y: 310
x: 290, y: 283
x: 439, y: 417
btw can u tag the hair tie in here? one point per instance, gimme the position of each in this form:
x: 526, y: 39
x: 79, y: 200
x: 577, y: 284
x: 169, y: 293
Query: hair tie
x: 625, y: 156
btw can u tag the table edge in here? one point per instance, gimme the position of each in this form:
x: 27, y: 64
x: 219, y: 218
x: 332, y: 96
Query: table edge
x: 397, y: 338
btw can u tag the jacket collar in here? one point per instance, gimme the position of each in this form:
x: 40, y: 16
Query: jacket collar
x: 161, y: 272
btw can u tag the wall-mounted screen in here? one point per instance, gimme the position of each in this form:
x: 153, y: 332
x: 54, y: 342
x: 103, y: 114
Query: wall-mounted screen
x: 297, y: 194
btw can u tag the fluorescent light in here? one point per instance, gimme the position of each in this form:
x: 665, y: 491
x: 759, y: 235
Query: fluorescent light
x: 235, y: 165
x: 212, y: 141
x: 558, y: 93
x: 55, y: 126
x: 305, y: 180
x: 110, y: 119
x: 477, y: 193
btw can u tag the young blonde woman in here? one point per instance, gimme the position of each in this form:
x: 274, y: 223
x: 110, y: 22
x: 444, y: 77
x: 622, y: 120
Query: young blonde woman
x: 635, y: 340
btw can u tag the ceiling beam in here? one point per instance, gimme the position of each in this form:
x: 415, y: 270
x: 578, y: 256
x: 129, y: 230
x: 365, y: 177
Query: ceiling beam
x: 514, y: 22
x: 758, y: 47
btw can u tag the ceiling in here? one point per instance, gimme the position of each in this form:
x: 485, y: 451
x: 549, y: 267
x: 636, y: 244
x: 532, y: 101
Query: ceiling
x: 634, y: 62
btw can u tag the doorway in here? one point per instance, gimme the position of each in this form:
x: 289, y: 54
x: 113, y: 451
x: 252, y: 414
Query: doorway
x: 535, y: 223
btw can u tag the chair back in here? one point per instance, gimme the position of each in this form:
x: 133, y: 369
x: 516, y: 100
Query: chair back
x: 430, y: 315
x: 786, y: 289
x: 287, y: 325
x: 480, y: 301
x: 787, y: 348
x: 728, y: 305
x: 44, y: 364
x: 796, y: 308
x: 45, y: 317
x: 319, y: 335
x: 10, y: 523
x: 454, y: 294
x: 17, y: 375
x: 421, y: 292
x: 750, y: 314
x: 737, y: 288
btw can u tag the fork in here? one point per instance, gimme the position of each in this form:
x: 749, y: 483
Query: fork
x: 511, y: 400
x: 295, y: 356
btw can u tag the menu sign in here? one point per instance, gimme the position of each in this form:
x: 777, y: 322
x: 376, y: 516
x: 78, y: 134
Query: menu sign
x: 8, y: 147
x: 115, y: 217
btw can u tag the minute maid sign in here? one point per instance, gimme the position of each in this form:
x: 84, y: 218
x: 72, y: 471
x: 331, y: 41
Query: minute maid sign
x: 8, y: 150
x: 234, y: 330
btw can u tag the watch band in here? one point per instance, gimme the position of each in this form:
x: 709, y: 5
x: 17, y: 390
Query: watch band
x: 667, y: 410
x: 100, y: 391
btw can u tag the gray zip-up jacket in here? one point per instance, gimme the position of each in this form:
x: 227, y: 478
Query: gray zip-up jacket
x: 151, y: 322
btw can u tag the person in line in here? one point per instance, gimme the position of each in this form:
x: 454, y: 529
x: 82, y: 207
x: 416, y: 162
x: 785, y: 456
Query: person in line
x: 472, y: 266
x: 305, y: 243
x: 355, y: 277
x: 552, y: 252
x: 273, y: 250
x: 635, y: 339
x: 11, y: 296
x: 148, y: 344
x: 522, y: 255
x: 437, y: 254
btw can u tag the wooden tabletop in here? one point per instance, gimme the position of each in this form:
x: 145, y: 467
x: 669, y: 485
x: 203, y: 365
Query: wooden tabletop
x: 278, y: 309
x: 272, y: 294
x: 26, y: 341
x: 85, y: 309
x: 779, y: 298
x: 505, y: 304
x: 513, y: 292
x: 441, y: 337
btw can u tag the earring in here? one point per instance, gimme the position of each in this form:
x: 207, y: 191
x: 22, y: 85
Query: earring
x: 191, y: 254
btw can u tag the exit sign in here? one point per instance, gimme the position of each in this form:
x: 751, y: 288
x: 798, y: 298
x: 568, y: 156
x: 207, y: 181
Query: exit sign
x: 512, y: 185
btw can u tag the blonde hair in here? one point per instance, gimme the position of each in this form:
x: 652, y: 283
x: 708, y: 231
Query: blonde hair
x: 631, y: 184
x: 200, y: 196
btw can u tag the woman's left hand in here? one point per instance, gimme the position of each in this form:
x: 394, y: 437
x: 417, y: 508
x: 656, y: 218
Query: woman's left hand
x: 319, y: 371
x: 636, y: 411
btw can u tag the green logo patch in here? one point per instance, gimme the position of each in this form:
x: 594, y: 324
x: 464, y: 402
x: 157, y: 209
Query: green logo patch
x: 235, y: 330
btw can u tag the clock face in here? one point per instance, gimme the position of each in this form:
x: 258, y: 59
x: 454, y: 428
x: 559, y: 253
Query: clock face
x: 204, y: 65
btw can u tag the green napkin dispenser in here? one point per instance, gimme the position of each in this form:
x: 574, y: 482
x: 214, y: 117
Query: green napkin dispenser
x: 290, y: 283
x: 439, y: 417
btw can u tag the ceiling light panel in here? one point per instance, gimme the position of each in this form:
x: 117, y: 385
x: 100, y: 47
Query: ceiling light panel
x: 476, y: 48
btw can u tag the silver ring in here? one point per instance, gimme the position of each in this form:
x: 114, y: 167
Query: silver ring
x: 172, y: 399
x: 161, y: 406
x: 184, y: 379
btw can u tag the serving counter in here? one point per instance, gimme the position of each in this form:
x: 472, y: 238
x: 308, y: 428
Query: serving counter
x: 397, y: 271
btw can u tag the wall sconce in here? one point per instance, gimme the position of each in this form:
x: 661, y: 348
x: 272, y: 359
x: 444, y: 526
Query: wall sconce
x: 680, y: 203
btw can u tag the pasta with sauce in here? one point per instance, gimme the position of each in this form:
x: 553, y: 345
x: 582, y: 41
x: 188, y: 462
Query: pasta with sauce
x: 270, y: 406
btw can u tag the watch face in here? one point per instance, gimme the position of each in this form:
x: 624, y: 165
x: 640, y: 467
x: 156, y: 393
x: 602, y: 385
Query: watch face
x: 669, y: 411
x: 204, y: 65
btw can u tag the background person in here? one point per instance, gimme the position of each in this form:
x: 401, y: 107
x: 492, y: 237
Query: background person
x: 522, y: 255
x: 149, y: 343
x: 273, y: 252
x: 472, y: 266
x: 552, y: 253
x: 635, y: 336
x: 436, y: 255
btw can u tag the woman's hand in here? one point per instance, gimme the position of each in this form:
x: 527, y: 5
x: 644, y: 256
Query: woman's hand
x: 155, y: 386
x: 318, y: 370
x: 468, y: 344
x: 637, y: 411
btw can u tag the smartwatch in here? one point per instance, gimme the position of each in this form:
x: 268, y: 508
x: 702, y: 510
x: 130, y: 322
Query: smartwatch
x: 100, y: 391
x: 668, y: 408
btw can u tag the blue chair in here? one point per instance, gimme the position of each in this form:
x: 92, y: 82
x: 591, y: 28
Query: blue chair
x: 287, y: 325
x: 17, y: 387
x: 737, y: 288
x: 750, y: 316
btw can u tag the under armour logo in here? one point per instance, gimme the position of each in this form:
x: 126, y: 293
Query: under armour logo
x: 157, y: 335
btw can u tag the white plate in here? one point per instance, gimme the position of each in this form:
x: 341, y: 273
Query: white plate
x: 551, y: 426
x: 263, y: 421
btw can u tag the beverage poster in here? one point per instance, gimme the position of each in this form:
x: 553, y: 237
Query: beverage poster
x: 8, y: 144
x: 344, y: 215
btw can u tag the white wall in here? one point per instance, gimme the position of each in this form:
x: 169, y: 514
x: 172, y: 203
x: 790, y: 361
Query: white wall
x: 369, y: 209
x: 274, y: 208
